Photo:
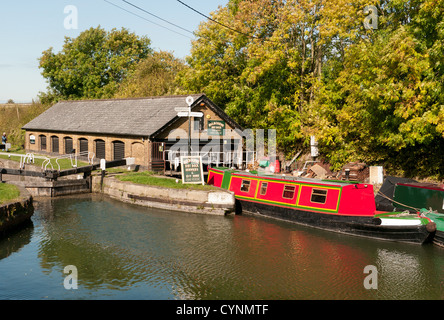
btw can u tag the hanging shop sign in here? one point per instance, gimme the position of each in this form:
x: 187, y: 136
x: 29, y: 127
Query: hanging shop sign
x: 216, y: 127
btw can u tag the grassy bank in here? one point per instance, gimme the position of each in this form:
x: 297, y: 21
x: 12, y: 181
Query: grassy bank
x: 149, y: 178
x: 64, y: 163
x: 8, y: 192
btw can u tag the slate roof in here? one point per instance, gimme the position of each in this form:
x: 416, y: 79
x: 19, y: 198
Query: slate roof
x: 135, y: 117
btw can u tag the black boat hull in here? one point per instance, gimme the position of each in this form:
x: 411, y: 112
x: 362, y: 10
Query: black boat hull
x: 368, y: 227
x: 438, y: 239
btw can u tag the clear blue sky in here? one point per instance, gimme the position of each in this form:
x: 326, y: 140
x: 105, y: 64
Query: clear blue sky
x: 29, y: 27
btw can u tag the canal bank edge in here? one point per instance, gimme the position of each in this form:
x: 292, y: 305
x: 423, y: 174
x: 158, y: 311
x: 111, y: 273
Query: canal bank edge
x: 217, y: 202
x: 16, y: 213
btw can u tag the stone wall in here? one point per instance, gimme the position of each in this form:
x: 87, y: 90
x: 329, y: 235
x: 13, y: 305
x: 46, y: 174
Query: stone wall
x: 36, y: 186
x: 45, y: 188
x: 16, y: 213
x: 217, y: 202
x: 135, y: 147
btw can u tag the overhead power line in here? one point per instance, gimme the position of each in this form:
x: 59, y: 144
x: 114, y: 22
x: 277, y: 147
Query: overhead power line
x: 177, y: 26
x: 222, y: 24
x: 211, y: 19
x: 121, y: 8
x: 152, y: 14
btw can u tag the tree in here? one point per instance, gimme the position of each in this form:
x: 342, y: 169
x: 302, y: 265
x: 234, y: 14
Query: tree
x: 153, y: 76
x: 266, y: 73
x: 384, y: 104
x: 93, y: 64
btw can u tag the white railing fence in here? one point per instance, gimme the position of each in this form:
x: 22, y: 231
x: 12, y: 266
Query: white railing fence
x: 228, y: 158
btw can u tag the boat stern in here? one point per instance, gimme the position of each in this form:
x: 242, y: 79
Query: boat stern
x: 219, y: 177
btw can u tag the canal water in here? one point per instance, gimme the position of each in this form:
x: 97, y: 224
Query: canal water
x: 122, y: 251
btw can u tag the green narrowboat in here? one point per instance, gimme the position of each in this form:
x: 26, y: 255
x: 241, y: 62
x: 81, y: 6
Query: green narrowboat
x: 419, y: 195
x: 426, y: 199
x: 438, y: 219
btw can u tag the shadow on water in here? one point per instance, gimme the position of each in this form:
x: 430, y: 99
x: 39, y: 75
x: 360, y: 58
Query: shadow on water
x: 123, y: 251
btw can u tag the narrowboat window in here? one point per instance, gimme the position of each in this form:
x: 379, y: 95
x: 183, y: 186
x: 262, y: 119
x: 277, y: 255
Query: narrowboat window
x: 264, y: 186
x: 245, y: 186
x: 318, y: 195
x: 289, y: 192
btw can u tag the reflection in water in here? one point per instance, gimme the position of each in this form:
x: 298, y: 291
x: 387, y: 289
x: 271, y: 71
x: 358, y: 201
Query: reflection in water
x: 297, y: 263
x: 15, y: 241
x: 129, y: 252
x: 416, y: 275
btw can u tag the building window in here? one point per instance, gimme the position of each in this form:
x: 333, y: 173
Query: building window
x: 263, y: 190
x: 99, y: 146
x: 68, y: 145
x: 118, y: 150
x: 42, y: 139
x: 245, y: 186
x: 55, y: 144
x: 318, y: 195
x: 83, y: 145
x: 288, y: 192
x: 198, y: 123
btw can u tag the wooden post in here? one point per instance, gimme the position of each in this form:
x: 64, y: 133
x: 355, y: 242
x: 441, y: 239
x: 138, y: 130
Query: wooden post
x: 103, y: 167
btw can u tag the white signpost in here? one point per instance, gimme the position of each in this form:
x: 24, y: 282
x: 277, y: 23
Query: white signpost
x: 191, y: 114
x: 192, y: 171
x: 186, y: 112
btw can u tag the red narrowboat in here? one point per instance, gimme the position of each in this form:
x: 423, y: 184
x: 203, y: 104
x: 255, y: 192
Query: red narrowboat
x: 336, y: 206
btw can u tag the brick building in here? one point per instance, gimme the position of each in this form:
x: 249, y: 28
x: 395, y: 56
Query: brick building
x: 147, y: 129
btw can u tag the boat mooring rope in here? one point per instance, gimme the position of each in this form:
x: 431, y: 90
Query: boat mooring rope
x: 419, y: 212
x: 402, y: 204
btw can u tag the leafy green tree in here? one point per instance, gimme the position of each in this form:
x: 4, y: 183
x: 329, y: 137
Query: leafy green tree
x: 153, y: 76
x: 311, y: 67
x: 384, y: 103
x: 266, y: 72
x: 93, y: 64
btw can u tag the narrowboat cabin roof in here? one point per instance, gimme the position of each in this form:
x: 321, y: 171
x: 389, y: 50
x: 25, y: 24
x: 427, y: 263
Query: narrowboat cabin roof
x: 423, y: 185
x: 265, y: 175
